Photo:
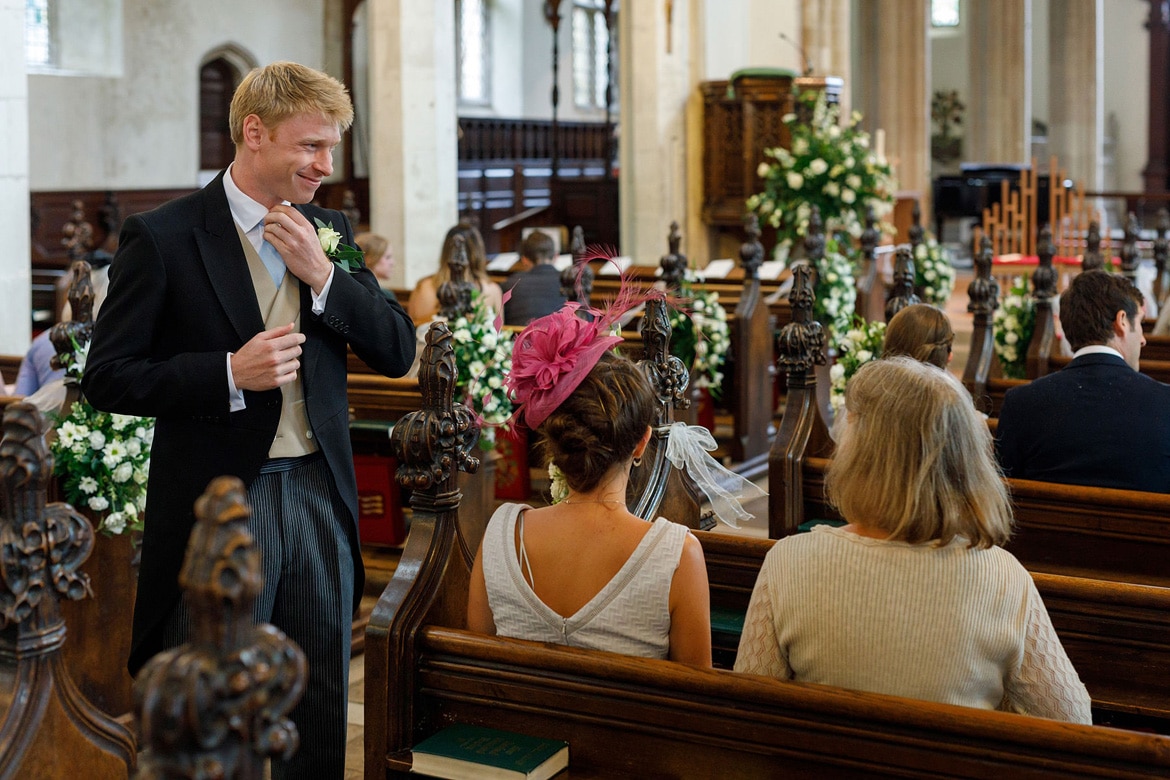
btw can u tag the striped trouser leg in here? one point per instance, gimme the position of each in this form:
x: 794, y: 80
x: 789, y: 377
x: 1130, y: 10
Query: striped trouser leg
x: 298, y: 525
x: 298, y: 521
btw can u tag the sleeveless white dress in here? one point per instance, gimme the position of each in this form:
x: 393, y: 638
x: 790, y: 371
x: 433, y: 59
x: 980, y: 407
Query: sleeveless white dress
x: 630, y: 615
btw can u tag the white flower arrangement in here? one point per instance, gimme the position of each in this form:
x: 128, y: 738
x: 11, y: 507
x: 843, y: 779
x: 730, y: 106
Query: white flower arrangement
x: 835, y: 292
x: 1013, y: 323
x: 934, y: 275
x: 860, y: 344
x: 701, y: 337
x: 558, y: 486
x: 102, y: 459
x: 829, y: 166
x: 483, y: 359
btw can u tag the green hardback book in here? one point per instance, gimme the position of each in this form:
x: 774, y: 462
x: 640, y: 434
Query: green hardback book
x: 463, y: 751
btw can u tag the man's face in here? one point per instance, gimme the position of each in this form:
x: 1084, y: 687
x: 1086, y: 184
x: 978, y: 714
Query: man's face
x: 1134, y: 339
x: 293, y: 157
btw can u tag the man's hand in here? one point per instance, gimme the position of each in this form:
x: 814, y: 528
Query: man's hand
x: 268, y: 360
x: 296, y: 240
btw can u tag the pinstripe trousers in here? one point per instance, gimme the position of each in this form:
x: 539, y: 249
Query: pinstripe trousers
x: 297, y: 522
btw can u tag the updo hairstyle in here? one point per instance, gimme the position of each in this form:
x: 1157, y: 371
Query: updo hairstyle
x: 600, y: 423
x: 920, y: 331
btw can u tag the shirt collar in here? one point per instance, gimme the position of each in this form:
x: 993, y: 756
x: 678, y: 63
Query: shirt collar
x: 1097, y: 349
x: 246, y: 212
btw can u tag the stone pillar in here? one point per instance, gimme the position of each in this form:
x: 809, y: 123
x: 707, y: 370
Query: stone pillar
x: 413, y: 125
x: 15, y: 290
x: 655, y: 86
x: 1076, y: 128
x: 1155, y: 173
x: 825, y: 33
x: 999, y: 112
x: 893, y: 90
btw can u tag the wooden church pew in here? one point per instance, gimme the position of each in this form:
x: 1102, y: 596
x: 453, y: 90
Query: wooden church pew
x: 1116, y: 634
x: 632, y: 717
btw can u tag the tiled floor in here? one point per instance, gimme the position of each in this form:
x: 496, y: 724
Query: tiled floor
x: 355, y: 759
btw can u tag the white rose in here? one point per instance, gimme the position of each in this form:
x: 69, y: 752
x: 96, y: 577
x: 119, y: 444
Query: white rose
x: 98, y: 503
x: 329, y: 239
x: 130, y: 510
x: 97, y: 440
x: 1011, y: 337
x: 864, y: 356
x: 1010, y: 322
x: 763, y: 170
x: 831, y: 189
x: 795, y: 180
x: 818, y: 166
x: 837, y: 372
x: 123, y: 472
x: 834, y: 132
x: 490, y: 339
x: 853, y: 180
x: 800, y: 146
x: 462, y: 335
x: 115, y: 523
x: 134, y: 447
x: 848, y: 196
x: 929, y: 275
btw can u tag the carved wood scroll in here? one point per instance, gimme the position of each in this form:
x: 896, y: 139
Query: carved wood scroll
x: 455, y: 293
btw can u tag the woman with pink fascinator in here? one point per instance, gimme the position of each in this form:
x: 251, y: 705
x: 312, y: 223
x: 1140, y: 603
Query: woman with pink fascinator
x: 585, y: 572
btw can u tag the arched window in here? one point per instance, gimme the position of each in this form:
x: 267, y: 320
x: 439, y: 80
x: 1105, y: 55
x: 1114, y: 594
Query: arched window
x: 590, y: 40
x: 217, y: 82
x: 38, y: 48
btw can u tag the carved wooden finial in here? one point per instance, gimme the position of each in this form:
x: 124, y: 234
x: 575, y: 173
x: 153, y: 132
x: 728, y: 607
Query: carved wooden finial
x: 577, y: 283
x: 916, y: 233
x: 1044, y: 278
x: 577, y: 242
x: 902, y: 291
x: 218, y: 705
x: 1161, y: 244
x: 435, y: 443
x: 751, y: 251
x: 814, y: 238
x: 674, y: 264
x: 983, y: 292
x: 67, y: 336
x: 869, y: 236
x: 668, y: 375
x: 77, y: 234
x: 1092, y: 259
x: 349, y: 207
x: 455, y: 293
x: 42, y: 549
x: 1130, y: 255
x: 800, y: 345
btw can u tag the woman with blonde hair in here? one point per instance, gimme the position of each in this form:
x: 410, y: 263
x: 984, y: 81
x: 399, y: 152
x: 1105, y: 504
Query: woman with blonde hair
x: 914, y: 596
x: 920, y: 331
x: 424, y: 299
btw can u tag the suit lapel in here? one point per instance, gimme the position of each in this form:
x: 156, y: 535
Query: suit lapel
x: 311, y: 349
x: 223, y: 257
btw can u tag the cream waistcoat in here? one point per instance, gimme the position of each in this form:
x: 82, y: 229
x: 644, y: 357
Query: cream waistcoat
x: 280, y: 306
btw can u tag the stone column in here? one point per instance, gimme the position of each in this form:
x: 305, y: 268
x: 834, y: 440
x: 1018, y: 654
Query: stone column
x: 413, y: 126
x: 893, y: 90
x: 655, y: 86
x: 999, y: 112
x: 825, y: 33
x: 1076, y: 128
x: 15, y: 291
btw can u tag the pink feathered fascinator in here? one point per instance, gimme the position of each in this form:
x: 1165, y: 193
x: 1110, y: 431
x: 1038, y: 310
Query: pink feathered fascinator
x: 554, y: 354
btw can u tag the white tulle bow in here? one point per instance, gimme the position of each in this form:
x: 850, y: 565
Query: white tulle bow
x: 687, y: 447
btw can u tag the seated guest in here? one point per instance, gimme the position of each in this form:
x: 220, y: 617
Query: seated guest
x: 537, y: 291
x: 36, y: 369
x: 379, y: 259
x: 424, y: 299
x: 1097, y: 421
x: 913, y: 597
x: 585, y: 572
x: 920, y: 331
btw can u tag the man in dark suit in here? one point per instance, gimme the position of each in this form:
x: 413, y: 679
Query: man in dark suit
x: 1097, y: 421
x: 537, y: 291
x: 226, y: 320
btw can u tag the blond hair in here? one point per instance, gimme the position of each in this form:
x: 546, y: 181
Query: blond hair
x: 373, y: 244
x: 920, y: 331
x: 914, y: 458
x: 284, y: 89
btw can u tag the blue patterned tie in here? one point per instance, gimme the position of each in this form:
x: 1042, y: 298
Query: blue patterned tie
x: 271, y: 259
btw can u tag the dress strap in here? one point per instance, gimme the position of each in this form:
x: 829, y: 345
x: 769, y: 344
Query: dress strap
x: 524, y: 562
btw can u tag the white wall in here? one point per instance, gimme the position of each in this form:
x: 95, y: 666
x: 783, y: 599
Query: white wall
x: 15, y: 314
x: 141, y: 130
x: 746, y: 33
